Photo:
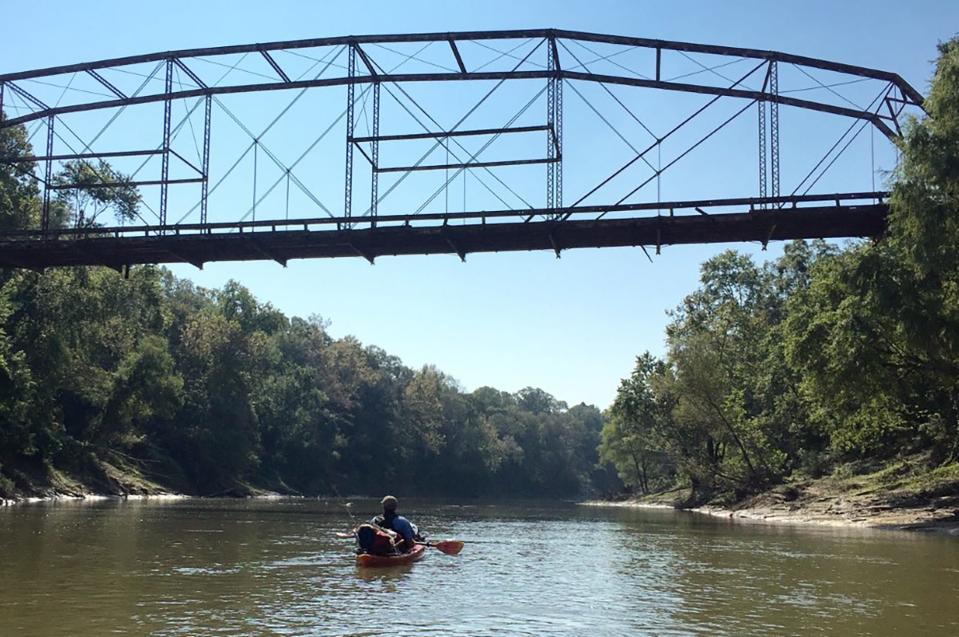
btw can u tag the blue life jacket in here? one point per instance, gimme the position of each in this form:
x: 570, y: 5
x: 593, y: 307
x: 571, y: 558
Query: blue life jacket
x: 398, y: 524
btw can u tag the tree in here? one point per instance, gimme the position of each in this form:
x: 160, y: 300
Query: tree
x: 877, y: 335
x: 636, y: 423
x: 93, y: 190
x: 715, y: 346
x: 19, y: 201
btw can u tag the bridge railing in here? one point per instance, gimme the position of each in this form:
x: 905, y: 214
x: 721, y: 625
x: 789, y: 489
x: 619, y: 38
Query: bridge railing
x: 757, y: 205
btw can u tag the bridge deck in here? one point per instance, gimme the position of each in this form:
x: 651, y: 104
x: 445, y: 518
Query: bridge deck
x: 832, y: 221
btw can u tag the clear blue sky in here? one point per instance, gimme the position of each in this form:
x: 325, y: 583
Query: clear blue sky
x: 572, y: 326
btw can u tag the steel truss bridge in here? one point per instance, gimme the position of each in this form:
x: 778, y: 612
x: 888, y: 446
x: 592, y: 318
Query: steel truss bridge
x: 167, y: 228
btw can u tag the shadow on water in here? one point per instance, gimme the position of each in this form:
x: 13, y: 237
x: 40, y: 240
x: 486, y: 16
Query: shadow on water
x: 389, y: 578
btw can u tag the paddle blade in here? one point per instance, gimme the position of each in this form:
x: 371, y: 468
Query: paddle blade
x: 450, y: 547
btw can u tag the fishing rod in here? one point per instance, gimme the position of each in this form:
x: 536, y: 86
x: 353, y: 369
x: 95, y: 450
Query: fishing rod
x: 346, y: 505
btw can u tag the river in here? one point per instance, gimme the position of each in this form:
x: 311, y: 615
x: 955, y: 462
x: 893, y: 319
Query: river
x: 274, y: 567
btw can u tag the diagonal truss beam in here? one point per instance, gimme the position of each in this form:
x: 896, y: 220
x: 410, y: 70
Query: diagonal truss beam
x: 276, y: 67
x: 109, y: 86
x: 456, y: 54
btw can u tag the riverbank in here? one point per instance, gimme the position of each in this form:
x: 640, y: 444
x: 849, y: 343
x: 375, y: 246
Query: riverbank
x: 96, y: 478
x: 904, y: 496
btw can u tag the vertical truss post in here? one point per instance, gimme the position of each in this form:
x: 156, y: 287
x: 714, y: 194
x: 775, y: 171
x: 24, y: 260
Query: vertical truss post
x: 165, y: 167
x: 558, y: 122
x: 763, y: 190
x: 554, y: 122
x: 204, y: 188
x: 2, y: 86
x: 550, y: 146
x: 774, y: 129
x: 348, y: 186
x: 48, y: 178
x: 375, y: 154
x: 256, y: 148
x: 769, y: 130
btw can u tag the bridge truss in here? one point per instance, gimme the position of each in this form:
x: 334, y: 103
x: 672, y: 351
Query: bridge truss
x: 146, y: 109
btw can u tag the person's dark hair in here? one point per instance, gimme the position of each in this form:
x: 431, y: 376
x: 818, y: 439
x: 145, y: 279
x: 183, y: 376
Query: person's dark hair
x: 389, y: 505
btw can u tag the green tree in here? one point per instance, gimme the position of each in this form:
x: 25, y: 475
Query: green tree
x: 877, y: 335
x: 632, y: 438
x: 90, y: 191
x: 19, y: 201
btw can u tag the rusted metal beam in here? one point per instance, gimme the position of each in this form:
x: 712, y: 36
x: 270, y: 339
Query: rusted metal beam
x: 456, y: 54
x: 473, y: 164
x: 355, y: 42
x: 24, y: 159
x: 688, y: 47
x: 106, y: 83
x: 366, y: 60
x: 116, y: 184
x: 828, y: 221
x: 276, y: 67
x: 455, y: 133
x: 446, y: 217
x: 441, y: 77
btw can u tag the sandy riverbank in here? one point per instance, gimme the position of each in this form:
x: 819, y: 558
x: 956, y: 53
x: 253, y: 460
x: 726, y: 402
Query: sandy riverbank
x: 94, y: 497
x: 901, y: 497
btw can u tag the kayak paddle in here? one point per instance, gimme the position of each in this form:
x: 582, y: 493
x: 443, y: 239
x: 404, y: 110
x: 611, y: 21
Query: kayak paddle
x: 449, y: 547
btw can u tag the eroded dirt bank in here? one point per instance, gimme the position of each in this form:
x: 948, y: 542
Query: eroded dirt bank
x: 903, y: 496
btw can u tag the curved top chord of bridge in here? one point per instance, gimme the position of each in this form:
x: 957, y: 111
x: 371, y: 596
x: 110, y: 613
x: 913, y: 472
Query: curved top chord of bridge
x: 647, y: 97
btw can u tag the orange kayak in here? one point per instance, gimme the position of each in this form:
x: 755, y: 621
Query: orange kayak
x: 365, y: 559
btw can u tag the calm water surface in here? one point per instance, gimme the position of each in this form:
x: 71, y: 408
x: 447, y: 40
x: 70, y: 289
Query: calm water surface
x: 273, y: 567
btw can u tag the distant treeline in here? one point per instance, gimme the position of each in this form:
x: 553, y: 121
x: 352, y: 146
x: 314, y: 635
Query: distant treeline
x: 206, y: 391
x: 823, y: 356
x: 212, y: 391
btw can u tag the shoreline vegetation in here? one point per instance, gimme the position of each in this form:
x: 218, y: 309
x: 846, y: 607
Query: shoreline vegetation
x: 903, y: 496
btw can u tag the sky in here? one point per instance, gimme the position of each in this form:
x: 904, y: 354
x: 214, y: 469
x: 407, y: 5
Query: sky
x: 571, y: 326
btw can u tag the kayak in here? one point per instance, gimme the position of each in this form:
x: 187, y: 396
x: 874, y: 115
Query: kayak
x: 366, y: 559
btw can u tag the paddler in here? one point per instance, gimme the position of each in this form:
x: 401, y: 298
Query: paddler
x: 390, y: 521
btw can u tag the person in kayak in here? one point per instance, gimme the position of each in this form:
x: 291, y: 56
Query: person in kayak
x: 390, y: 521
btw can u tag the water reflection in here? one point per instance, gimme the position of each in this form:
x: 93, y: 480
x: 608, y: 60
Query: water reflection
x: 275, y: 567
x: 385, y: 579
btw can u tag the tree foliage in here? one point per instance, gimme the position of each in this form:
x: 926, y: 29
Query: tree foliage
x: 221, y: 391
x: 91, y: 190
x: 822, y: 355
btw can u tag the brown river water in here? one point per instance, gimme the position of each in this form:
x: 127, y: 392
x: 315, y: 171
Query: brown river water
x: 275, y: 567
